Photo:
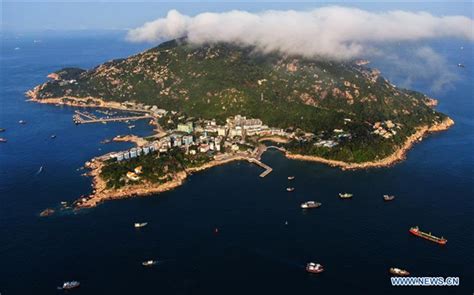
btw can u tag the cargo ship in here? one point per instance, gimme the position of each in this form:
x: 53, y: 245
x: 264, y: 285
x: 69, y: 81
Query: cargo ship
x: 428, y: 236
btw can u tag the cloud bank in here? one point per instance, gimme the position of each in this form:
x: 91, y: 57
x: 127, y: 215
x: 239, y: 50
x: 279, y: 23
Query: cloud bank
x: 331, y: 32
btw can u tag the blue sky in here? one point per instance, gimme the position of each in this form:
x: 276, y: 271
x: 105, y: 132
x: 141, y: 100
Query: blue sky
x: 34, y: 16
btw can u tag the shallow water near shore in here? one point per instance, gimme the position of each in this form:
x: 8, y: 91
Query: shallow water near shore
x: 254, y: 250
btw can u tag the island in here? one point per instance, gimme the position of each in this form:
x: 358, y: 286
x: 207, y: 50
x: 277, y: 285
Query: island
x: 217, y: 103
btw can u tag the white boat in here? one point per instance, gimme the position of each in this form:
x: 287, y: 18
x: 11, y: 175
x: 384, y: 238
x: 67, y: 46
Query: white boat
x: 70, y: 285
x: 140, y: 224
x: 345, y: 195
x: 39, y: 170
x: 310, y: 204
x: 149, y: 262
x: 314, y: 267
x: 399, y: 272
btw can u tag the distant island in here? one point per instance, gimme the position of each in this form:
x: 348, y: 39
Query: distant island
x: 217, y: 103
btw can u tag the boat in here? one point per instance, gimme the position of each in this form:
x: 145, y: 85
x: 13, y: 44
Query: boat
x: 461, y: 65
x: 131, y: 126
x: 142, y: 224
x: 53, y: 136
x: 291, y: 177
x: 388, y: 198
x: 2, y: 139
x: 428, y: 236
x: 149, y: 262
x: 314, y: 267
x: 22, y: 122
x: 2, y: 129
x: 47, y: 212
x: 39, y: 170
x: 399, y: 272
x: 70, y: 285
x: 310, y: 205
x: 345, y: 195
x: 290, y: 189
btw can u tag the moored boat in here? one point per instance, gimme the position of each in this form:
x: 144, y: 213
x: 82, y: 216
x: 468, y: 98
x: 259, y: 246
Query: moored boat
x: 345, y: 195
x: 140, y: 224
x: 149, y: 262
x: 70, y: 285
x: 388, y: 198
x: 290, y: 189
x: 310, y: 205
x: 291, y: 177
x: 399, y: 272
x: 427, y: 236
x: 314, y: 267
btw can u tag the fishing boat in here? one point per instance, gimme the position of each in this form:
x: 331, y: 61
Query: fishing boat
x: 139, y: 225
x: 427, y: 236
x: 290, y: 189
x: 314, y: 267
x: 69, y: 285
x: 399, y: 272
x: 345, y: 195
x: 291, y: 177
x: 310, y: 205
x: 388, y: 198
x: 149, y: 262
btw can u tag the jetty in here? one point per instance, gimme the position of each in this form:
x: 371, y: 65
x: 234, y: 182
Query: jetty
x: 267, y: 168
x: 87, y: 118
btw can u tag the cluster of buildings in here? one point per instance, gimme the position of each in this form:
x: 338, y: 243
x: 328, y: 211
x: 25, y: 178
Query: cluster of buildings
x: 385, y: 129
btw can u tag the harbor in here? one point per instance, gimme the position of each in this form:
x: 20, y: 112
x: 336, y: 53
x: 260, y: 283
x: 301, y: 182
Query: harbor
x: 83, y: 117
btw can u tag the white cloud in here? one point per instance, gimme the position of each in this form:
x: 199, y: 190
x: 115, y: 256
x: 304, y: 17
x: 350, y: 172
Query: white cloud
x: 332, y: 32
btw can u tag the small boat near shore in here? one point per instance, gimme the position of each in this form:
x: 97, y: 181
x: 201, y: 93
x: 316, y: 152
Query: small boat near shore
x: 345, y: 196
x: 140, y: 224
x: 290, y: 189
x: 291, y: 177
x: 427, y: 236
x: 310, y: 205
x: 314, y: 267
x: 399, y: 272
x: 149, y: 262
x: 387, y: 198
x: 69, y: 285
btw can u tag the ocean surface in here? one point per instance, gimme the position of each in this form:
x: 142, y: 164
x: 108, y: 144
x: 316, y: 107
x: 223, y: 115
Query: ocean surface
x: 264, y: 240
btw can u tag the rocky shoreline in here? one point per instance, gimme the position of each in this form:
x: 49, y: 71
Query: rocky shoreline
x: 101, y: 193
x: 395, y: 157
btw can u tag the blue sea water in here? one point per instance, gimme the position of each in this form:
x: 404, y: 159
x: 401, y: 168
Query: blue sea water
x: 264, y: 239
